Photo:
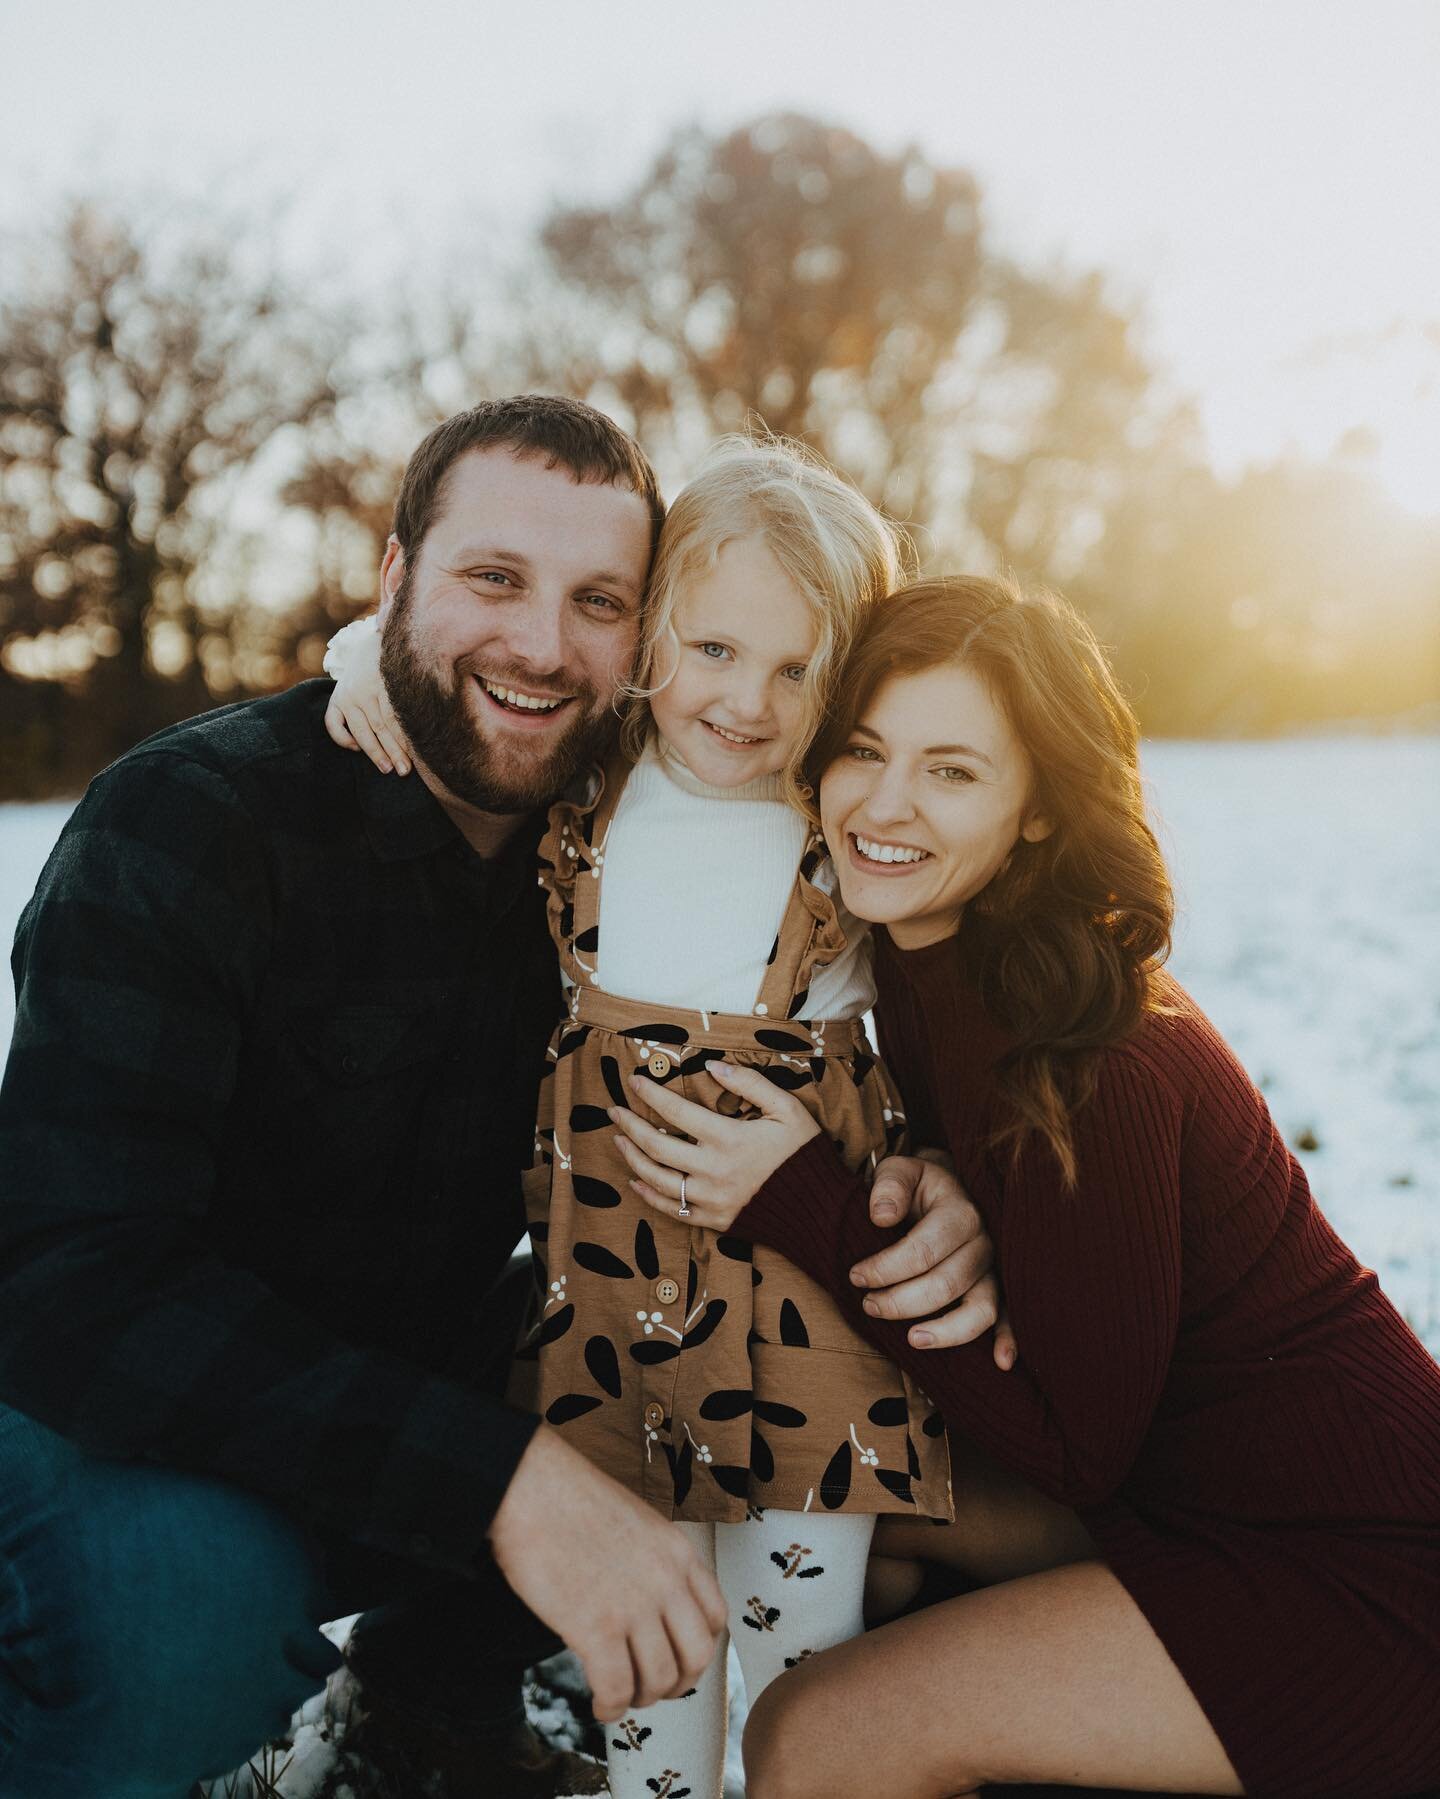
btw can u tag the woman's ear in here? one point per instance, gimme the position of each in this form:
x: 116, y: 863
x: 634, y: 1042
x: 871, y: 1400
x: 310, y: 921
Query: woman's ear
x: 1036, y: 828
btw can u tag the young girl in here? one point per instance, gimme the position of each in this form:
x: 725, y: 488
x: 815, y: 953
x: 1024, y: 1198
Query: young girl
x: 720, y: 1384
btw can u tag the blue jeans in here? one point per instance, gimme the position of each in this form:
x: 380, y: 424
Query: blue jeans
x: 156, y: 1627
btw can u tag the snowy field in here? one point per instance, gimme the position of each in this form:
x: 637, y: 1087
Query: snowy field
x: 1308, y: 875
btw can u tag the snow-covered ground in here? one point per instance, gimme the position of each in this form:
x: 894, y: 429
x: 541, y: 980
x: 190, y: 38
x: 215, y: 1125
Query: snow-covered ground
x: 1309, y: 881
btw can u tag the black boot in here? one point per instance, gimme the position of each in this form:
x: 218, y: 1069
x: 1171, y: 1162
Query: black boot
x: 396, y: 1746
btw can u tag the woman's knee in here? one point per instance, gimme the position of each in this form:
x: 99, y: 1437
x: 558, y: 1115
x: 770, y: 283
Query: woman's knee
x: 807, y: 1737
x: 787, y: 1748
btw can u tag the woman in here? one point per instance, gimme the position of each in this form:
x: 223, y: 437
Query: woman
x: 1203, y: 1515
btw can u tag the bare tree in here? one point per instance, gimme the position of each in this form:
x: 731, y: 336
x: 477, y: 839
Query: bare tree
x: 143, y: 375
x: 790, y: 271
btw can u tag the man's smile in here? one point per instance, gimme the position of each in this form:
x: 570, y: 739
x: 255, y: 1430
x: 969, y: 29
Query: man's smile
x: 519, y: 703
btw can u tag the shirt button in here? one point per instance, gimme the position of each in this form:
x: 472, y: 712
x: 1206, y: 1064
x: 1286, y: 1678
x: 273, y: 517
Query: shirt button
x: 350, y: 1065
x: 667, y: 1291
x: 654, y: 1416
x: 659, y: 1064
x: 420, y: 1544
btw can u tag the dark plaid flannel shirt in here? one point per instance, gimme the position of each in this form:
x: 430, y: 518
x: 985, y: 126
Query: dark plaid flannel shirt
x: 277, y: 1041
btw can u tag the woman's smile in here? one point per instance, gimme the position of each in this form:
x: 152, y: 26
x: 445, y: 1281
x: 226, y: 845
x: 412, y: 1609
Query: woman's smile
x: 875, y: 856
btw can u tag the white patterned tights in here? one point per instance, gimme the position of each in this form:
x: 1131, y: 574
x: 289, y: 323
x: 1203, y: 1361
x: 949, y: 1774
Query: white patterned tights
x: 794, y: 1582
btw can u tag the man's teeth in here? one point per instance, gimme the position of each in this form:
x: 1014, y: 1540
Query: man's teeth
x: 526, y: 701
x: 731, y: 736
x: 887, y: 852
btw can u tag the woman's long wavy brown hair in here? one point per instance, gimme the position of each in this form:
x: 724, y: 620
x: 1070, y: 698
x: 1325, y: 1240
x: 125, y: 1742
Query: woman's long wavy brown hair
x: 1065, y: 942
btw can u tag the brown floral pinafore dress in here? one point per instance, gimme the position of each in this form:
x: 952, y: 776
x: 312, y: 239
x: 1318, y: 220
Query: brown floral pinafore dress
x: 705, y: 1374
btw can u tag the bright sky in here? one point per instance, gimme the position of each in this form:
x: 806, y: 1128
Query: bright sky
x: 1261, y: 175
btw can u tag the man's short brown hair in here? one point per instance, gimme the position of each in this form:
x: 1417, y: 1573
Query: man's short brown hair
x: 564, y: 433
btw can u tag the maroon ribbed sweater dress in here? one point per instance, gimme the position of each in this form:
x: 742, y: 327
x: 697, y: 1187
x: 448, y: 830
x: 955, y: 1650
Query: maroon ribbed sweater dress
x: 1244, y: 1423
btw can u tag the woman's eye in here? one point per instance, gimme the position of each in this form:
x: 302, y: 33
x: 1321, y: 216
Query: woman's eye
x: 956, y: 776
x: 862, y: 752
x: 795, y: 672
x: 715, y: 651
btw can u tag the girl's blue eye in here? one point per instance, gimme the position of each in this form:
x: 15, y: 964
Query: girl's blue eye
x: 795, y: 672
x: 715, y: 651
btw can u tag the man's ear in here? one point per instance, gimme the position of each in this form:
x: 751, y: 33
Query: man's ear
x: 392, y: 573
x: 1036, y: 828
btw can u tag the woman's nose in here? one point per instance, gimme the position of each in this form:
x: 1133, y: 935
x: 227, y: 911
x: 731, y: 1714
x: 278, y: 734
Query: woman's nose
x: 890, y: 800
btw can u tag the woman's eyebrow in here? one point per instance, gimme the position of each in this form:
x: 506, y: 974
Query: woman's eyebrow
x: 935, y: 749
x: 959, y: 749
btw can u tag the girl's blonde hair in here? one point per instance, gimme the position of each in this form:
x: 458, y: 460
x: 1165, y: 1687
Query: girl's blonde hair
x: 832, y: 543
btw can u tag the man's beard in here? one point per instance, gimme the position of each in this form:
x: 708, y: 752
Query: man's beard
x: 447, y: 737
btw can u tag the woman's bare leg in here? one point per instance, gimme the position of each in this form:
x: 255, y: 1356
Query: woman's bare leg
x: 1003, y: 1528
x: 1055, y: 1678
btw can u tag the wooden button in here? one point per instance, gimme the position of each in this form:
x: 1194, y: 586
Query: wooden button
x: 659, y: 1064
x: 667, y: 1291
x: 654, y: 1416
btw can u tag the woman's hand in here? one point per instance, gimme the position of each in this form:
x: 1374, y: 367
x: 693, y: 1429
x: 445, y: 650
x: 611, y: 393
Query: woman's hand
x: 359, y: 715
x: 729, y: 1159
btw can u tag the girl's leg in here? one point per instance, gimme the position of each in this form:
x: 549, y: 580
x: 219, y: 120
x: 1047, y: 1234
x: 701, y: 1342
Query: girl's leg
x: 1055, y: 1678
x: 677, y: 1747
x: 794, y: 1583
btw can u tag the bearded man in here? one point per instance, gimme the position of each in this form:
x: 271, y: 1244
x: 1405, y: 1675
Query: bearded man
x: 279, y: 1029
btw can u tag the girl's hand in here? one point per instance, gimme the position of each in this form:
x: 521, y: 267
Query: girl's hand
x: 729, y: 1159
x: 359, y: 715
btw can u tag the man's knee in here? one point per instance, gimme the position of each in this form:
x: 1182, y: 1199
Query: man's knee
x: 155, y: 1625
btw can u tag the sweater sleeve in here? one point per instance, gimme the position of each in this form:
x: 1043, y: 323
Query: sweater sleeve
x: 341, y: 647
x: 1091, y: 1280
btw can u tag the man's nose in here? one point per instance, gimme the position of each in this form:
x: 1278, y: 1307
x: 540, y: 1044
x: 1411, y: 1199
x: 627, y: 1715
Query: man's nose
x: 535, y: 633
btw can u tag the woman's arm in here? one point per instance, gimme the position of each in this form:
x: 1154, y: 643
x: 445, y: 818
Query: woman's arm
x: 1091, y: 1280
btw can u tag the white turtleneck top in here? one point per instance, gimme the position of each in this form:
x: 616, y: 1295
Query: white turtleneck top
x: 695, y: 884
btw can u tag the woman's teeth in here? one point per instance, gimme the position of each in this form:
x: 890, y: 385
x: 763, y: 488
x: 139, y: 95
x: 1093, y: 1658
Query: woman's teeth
x: 526, y: 702
x: 888, y: 852
x: 731, y: 736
